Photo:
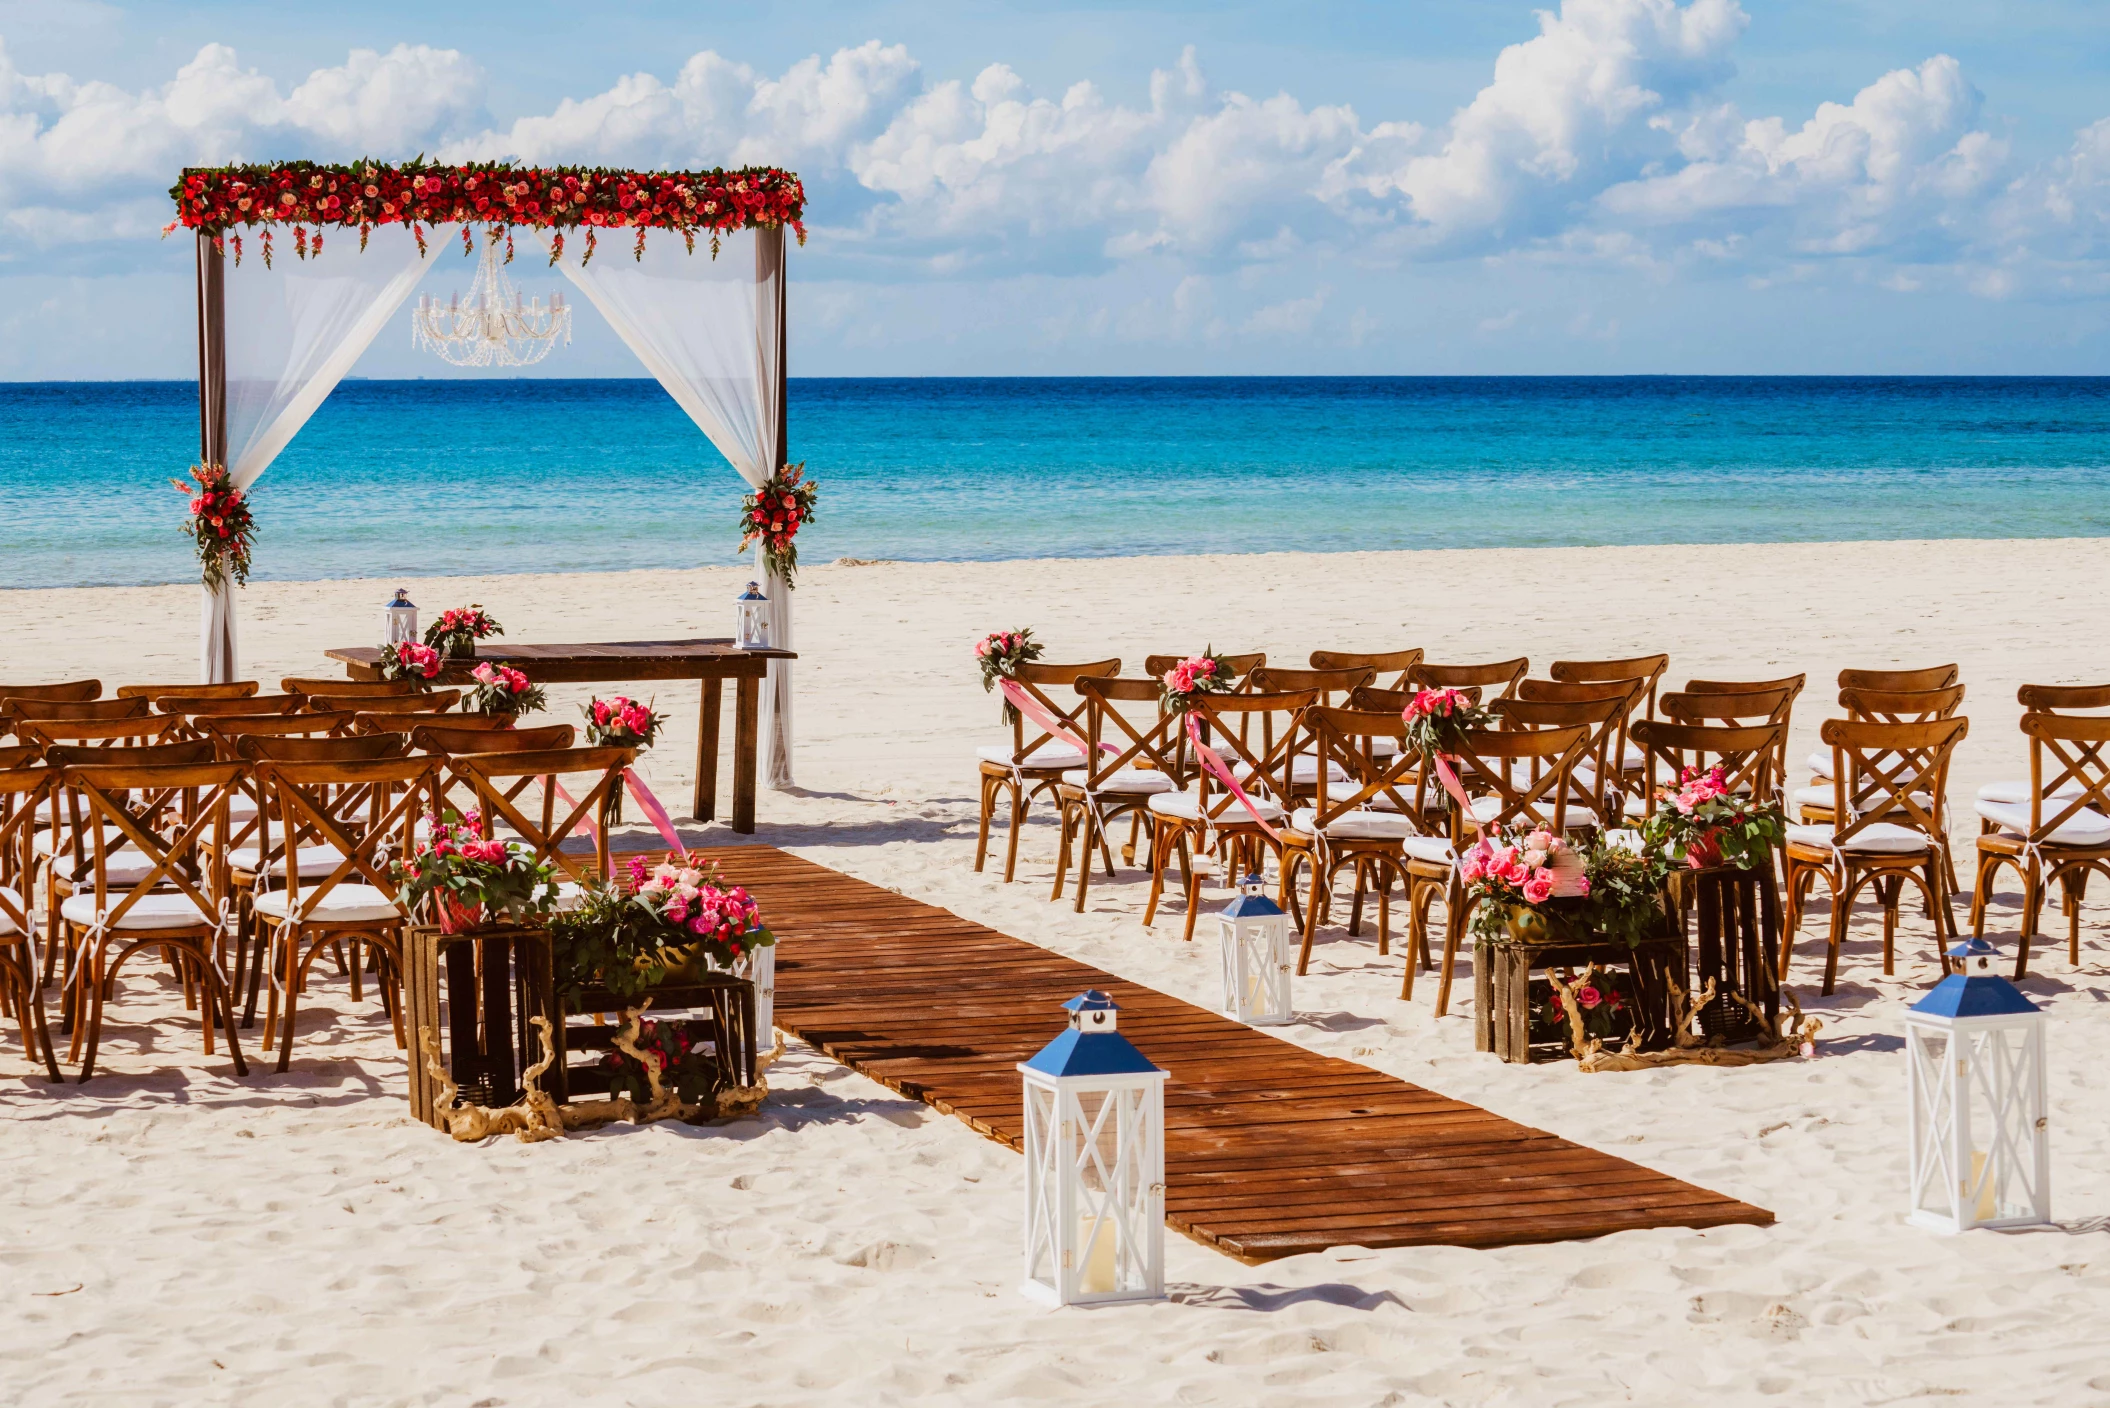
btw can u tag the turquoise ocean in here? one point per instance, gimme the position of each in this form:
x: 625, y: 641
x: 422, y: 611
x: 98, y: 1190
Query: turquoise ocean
x: 440, y: 477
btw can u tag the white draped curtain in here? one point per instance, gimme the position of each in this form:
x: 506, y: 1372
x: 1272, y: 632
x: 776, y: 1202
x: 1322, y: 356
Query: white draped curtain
x: 291, y: 332
x: 711, y: 330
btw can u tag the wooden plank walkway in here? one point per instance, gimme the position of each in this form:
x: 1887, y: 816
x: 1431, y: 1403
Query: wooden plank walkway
x: 1270, y: 1149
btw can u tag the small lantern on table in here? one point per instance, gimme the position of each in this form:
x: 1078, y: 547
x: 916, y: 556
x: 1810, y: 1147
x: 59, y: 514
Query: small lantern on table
x: 402, y: 617
x: 1095, y: 1164
x: 1256, y: 966
x: 753, y: 622
x: 1981, y: 1147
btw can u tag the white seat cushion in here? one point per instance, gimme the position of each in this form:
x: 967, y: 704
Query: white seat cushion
x: 1433, y: 849
x: 341, y: 904
x: 1626, y: 838
x: 157, y: 911
x: 2019, y: 791
x: 1821, y: 764
x: 1355, y: 826
x: 1823, y: 796
x: 570, y: 896
x: 1183, y: 806
x: 2086, y: 827
x: 14, y: 900
x: 315, y: 861
x: 1633, y: 758
x: 1047, y: 755
x: 1127, y: 782
x: 1882, y: 838
x: 111, y: 837
x: 1486, y: 809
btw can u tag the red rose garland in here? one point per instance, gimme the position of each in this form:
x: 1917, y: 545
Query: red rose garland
x: 219, y: 523
x: 222, y: 200
x: 773, y: 515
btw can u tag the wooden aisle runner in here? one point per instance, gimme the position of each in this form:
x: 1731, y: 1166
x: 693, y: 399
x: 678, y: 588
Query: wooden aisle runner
x: 1270, y: 1149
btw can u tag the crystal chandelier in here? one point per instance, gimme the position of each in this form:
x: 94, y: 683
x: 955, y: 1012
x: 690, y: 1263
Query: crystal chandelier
x: 494, y: 326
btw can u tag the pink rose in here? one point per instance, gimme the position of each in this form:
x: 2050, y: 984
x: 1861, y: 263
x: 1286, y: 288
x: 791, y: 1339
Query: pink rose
x: 1538, y: 889
x: 1589, y: 996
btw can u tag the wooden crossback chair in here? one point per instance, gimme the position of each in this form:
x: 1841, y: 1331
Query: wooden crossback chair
x: 1132, y: 755
x: 456, y: 792
x: 338, y: 688
x: 85, y: 711
x: 1887, y: 706
x: 1596, y: 794
x: 173, y: 900
x: 65, y: 849
x: 1889, y: 826
x: 1494, y: 680
x: 2062, y: 833
x: 435, y: 701
x: 237, y: 689
x: 1258, y: 737
x: 1747, y: 754
x: 1648, y: 669
x: 1358, y: 823
x: 1332, y: 688
x: 1035, y: 760
x: 59, y: 692
x: 490, y: 774
x: 192, y: 707
x: 409, y: 721
x: 363, y: 797
x: 24, y: 786
x: 1932, y: 677
x: 2043, y: 699
x: 1239, y: 666
x: 1516, y: 779
x: 1388, y: 668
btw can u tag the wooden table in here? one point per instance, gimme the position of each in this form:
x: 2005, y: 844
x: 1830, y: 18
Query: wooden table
x: 710, y: 661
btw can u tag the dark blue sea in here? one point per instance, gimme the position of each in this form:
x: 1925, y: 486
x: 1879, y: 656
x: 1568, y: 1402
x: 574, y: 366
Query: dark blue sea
x: 393, y: 478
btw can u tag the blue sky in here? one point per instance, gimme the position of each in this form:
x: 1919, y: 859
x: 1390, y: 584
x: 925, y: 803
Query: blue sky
x: 1611, y: 185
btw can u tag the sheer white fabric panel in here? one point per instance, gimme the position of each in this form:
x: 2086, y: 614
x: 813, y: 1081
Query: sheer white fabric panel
x: 292, y: 332
x: 708, y: 330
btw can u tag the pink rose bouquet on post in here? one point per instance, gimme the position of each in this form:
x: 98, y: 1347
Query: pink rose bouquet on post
x: 621, y: 722
x: 501, y: 689
x: 999, y: 654
x: 1438, y: 718
x: 1206, y: 673
x: 463, y: 879
x: 1702, y: 823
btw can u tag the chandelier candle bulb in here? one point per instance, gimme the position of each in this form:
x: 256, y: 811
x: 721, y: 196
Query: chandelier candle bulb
x: 1976, y: 1118
x: 1256, y: 967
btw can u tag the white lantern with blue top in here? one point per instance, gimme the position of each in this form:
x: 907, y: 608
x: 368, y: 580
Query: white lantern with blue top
x: 402, y: 617
x: 1095, y: 1164
x: 753, y: 622
x: 1255, y: 937
x: 1981, y: 1142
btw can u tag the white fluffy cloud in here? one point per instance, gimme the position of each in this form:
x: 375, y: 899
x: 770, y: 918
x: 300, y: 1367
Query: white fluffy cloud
x: 1606, y: 136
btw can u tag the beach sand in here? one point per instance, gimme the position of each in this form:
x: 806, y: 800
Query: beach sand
x: 171, y: 1235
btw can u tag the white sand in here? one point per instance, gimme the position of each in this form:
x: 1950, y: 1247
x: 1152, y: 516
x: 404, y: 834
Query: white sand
x: 170, y: 1235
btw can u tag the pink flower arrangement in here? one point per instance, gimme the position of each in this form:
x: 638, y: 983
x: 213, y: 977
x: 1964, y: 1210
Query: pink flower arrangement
x: 694, y: 900
x: 999, y: 654
x: 773, y: 515
x: 1193, y: 677
x: 1438, y: 718
x: 1529, y: 870
x: 1703, y: 824
x: 501, y: 689
x: 407, y: 660
x: 622, y: 722
x: 463, y: 876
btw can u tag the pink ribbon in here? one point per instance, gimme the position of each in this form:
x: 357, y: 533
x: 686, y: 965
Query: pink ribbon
x: 1055, y: 728
x: 650, y: 804
x: 1215, y: 764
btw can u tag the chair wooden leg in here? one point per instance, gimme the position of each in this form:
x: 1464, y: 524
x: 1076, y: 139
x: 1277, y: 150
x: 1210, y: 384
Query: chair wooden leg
x: 1842, y: 908
x: 1160, y: 832
x: 1418, y: 896
x: 1889, y: 890
x: 1982, y: 893
x: 358, y: 954
x: 2074, y: 883
x: 1311, y: 918
x: 1194, y: 900
x: 295, y: 971
x: 1106, y: 852
x: 1018, y: 820
x: 1063, y: 825
x: 1090, y: 824
x: 2032, y: 884
x: 88, y: 1030
x: 1453, y: 931
x: 1384, y: 912
x: 981, y: 840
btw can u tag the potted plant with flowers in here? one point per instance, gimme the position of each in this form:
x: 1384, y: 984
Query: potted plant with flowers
x: 464, y: 881
x: 1206, y: 673
x: 999, y: 654
x: 503, y: 690
x: 459, y: 628
x: 1702, y: 824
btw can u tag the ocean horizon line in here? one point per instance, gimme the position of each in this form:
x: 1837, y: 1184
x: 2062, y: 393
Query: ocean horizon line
x: 192, y: 381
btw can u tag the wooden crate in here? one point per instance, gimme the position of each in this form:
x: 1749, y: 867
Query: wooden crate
x: 1506, y: 992
x: 488, y: 979
x: 721, y: 1009
x: 1737, y: 917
